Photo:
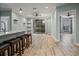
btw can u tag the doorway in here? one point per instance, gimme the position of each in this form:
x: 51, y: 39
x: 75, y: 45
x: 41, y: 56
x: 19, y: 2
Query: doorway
x: 66, y: 25
x: 67, y: 29
x: 39, y: 26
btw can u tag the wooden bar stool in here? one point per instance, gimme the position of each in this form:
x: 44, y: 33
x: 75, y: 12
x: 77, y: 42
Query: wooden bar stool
x: 18, y: 46
x: 27, y: 40
x: 21, y: 44
x: 5, y: 48
x: 23, y: 38
x: 24, y: 41
x: 30, y: 38
x: 15, y: 46
x: 9, y: 42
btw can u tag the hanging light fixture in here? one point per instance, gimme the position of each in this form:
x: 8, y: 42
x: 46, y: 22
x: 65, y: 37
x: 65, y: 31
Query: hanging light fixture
x: 68, y: 14
x: 35, y: 12
x: 20, y: 10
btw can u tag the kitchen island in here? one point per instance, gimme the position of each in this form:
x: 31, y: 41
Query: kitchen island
x: 8, y: 35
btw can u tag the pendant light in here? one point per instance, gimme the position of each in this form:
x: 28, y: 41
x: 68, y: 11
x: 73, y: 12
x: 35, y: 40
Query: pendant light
x: 20, y: 10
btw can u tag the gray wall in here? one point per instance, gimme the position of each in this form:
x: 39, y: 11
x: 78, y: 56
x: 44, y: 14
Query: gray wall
x: 53, y: 24
x: 48, y: 25
x: 18, y: 25
x: 60, y: 11
x: 77, y: 22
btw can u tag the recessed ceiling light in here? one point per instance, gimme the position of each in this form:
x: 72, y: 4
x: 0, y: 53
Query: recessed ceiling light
x: 46, y: 7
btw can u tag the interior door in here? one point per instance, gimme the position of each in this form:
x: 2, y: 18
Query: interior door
x: 66, y: 24
x: 39, y: 26
x: 71, y: 30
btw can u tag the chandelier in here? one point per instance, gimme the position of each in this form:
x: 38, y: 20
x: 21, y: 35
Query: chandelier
x: 35, y: 12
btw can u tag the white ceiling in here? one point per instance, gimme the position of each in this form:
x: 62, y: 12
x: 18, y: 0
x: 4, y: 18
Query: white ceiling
x: 28, y: 8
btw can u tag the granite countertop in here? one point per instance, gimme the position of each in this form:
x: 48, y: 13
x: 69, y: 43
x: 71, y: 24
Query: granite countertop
x: 11, y: 32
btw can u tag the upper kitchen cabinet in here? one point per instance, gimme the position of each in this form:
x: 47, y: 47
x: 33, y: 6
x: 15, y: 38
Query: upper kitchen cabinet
x: 5, y: 19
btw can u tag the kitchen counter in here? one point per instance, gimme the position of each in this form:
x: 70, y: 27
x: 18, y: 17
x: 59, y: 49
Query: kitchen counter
x: 11, y: 32
x: 9, y: 35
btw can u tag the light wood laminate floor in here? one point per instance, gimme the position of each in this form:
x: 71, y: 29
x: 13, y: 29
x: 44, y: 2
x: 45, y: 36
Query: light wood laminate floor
x: 45, y: 45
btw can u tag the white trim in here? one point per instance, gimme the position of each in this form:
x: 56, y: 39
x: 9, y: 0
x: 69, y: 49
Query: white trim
x: 73, y: 20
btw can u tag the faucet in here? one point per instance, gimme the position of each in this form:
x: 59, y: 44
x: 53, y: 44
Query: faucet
x: 4, y: 29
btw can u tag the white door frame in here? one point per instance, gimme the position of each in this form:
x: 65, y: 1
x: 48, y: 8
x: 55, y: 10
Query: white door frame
x: 33, y: 23
x: 73, y: 24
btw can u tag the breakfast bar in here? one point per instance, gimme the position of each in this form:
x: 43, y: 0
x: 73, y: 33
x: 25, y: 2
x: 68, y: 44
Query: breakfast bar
x: 14, y: 42
x: 8, y: 35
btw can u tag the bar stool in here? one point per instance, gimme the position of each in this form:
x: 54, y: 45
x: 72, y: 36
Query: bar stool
x: 18, y: 46
x: 3, y: 48
x: 23, y: 38
x: 27, y: 40
x: 21, y: 44
x: 24, y: 41
x: 30, y: 38
x: 15, y: 46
